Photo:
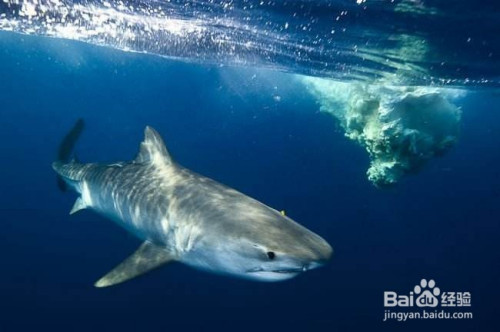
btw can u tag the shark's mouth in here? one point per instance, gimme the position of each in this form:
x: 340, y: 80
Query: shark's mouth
x: 281, y: 271
x: 273, y: 275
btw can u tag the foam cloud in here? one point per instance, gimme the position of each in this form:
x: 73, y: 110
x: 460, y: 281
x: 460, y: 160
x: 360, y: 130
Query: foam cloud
x: 401, y: 128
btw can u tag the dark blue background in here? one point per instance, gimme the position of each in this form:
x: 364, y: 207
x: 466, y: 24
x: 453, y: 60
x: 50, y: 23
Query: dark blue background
x: 225, y: 123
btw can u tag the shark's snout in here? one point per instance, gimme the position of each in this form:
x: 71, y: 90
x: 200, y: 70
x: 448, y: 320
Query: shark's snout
x: 309, y: 255
x: 318, y: 253
x: 320, y: 259
x: 324, y: 253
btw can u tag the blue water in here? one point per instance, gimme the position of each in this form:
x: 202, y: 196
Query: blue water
x: 439, y: 42
x: 227, y: 123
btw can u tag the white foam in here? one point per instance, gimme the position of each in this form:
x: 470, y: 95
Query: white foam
x: 400, y: 127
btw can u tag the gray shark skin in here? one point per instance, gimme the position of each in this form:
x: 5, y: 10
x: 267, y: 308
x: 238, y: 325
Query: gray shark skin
x: 183, y: 216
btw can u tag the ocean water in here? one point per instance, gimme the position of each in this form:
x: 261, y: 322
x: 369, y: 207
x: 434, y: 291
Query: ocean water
x: 219, y: 81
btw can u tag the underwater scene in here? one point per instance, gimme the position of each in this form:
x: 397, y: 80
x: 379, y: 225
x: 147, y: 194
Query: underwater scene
x: 249, y: 165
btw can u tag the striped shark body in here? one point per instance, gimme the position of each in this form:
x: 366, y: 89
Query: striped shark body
x: 182, y: 216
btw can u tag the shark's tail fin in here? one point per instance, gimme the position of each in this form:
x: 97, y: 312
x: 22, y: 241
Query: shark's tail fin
x: 66, y: 148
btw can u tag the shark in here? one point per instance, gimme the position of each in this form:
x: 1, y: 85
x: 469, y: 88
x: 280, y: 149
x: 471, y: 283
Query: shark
x: 181, y: 216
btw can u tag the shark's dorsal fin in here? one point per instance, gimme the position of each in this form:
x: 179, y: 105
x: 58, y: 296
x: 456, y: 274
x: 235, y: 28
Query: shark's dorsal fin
x: 152, y: 148
x: 145, y: 259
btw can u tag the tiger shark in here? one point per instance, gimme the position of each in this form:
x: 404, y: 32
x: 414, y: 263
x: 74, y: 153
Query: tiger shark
x: 185, y: 217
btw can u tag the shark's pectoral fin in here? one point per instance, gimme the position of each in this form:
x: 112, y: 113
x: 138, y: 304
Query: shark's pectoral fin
x: 145, y: 259
x: 79, y: 205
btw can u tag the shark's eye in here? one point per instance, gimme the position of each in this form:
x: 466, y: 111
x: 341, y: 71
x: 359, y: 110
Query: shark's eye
x: 271, y: 255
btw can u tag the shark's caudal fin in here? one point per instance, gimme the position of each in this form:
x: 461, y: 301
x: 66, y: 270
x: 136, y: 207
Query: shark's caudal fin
x: 152, y: 148
x: 66, y: 148
x: 145, y: 259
